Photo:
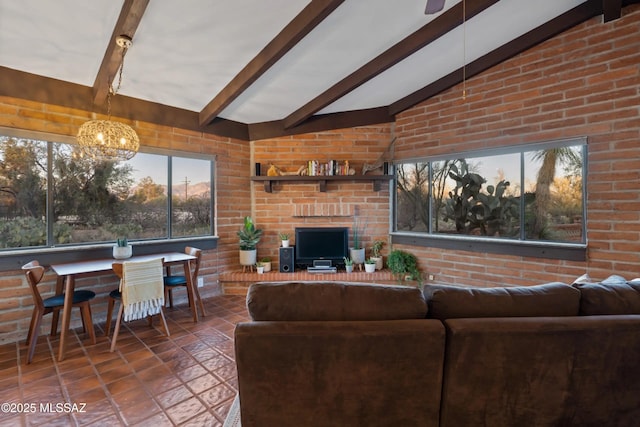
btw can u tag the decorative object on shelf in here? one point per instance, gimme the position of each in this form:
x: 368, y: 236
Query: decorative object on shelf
x: 284, y: 238
x: 266, y: 263
x: 273, y: 171
x: 404, y: 266
x: 348, y: 265
x: 276, y: 171
x: 108, y: 139
x: 357, y: 251
x: 249, y: 237
x: 260, y: 267
x: 122, y: 249
x: 376, y: 255
x: 385, y: 158
x: 370, y: 265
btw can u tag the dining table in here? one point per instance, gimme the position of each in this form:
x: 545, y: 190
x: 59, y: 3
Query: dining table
x: 68, y: 272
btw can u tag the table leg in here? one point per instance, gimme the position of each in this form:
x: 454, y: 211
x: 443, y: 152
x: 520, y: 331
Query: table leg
x: 190, y: 290
x: 66, y: 315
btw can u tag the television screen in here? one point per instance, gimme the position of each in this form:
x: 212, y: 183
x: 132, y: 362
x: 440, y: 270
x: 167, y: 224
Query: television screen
x: 321, y: 243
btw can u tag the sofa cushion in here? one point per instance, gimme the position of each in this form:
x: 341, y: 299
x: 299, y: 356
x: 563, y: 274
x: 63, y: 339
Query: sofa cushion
x: 551, y: 299
x: 298, y: 301
x: 609, y: 297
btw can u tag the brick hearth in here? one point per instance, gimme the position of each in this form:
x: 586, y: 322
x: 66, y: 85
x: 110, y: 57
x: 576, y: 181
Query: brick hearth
x: 237, y: 282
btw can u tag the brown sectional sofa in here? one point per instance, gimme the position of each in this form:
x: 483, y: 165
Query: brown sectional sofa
x: 345, y: 354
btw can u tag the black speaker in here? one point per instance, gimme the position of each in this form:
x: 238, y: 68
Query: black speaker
x: 287, y: 261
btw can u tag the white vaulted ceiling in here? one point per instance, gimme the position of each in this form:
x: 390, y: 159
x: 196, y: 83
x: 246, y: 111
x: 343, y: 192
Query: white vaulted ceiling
x: 269, y: 66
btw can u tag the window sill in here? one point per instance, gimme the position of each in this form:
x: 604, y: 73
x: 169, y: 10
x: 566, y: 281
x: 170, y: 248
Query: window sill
x: 549, y: 250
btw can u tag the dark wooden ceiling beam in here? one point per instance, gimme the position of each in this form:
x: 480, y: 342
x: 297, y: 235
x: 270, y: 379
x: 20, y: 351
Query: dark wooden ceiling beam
x: 321, y: 122
x: 296, y: 30
x: 611, y: 9
x: 127, y: 24
x: 563, y: 22
x: 32, y: 87
x: 444, y: 23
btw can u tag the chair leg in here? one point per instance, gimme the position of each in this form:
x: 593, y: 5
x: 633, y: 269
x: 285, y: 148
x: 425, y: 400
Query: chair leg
x: 34, y: 316
x: 170, y: 297
x: 200, y: 301
x: 164, y: 323
x: 34, y: 337
x: 83, y: 318
x: 107, y: 327
x: 85, y: 311
x: 54, y: 322
x: 117, y: 328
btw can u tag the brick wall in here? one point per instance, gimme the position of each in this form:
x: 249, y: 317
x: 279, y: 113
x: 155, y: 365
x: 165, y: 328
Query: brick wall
x: 584, y: 82
x: 233, y: 193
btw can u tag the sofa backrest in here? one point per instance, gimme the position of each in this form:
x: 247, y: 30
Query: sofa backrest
x: 609, y: 298
x: 551, y: 299
x: 326, y: 354
x: 297, y: 301
x: 542, y: 371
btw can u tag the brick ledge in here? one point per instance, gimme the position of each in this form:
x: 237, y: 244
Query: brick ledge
x: 238, y: 282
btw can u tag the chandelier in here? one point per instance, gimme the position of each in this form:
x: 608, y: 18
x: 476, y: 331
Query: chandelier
x: 108, y: 139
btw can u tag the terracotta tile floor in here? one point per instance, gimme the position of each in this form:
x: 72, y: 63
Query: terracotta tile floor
x: 188, y: 379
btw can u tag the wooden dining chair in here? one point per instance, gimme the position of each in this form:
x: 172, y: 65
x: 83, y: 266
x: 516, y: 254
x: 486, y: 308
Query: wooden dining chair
x: 81, y: 298
x: 173, y: 281
x: 141, y: 293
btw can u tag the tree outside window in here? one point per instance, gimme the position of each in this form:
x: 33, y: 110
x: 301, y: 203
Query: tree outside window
x: 524, y: 195
x: 88, y: 201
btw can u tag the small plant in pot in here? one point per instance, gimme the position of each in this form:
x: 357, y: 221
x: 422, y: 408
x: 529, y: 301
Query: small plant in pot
x: 404, y: 266
x: 266, y: 263
x: 370, y: 265
x: 249, y: 237
x: 376, y: 253
x: 348, y: 264
x: 122, y: 249
x: 284, y: 238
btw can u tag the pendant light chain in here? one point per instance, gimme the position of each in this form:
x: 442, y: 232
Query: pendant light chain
x: 113, y: 91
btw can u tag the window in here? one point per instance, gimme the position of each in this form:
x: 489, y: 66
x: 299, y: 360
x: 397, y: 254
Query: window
x: 50, y: 195
x: 532, y: 194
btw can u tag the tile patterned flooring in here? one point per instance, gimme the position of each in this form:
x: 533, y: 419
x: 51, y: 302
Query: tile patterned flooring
x: 188, y: 379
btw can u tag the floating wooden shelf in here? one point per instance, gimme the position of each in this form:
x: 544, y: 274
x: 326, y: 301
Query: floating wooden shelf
x: 322, y: 180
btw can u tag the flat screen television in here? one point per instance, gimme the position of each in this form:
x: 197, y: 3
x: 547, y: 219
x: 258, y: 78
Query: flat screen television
x: 321, y: 243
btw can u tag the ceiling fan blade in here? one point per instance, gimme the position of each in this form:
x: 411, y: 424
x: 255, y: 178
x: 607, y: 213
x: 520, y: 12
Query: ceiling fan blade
x: 433, y: 6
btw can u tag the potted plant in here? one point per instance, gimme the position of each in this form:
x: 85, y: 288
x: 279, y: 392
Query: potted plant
x: 122, y: 249
x: 357, y: 251
x: 260, y: 267
x: 404, y: 266
x: 348, y: 264
x: 249, y: 237
x: 376, y: 255
x: 284, y: 238
x: 266, y: 263
x: 370, y: 265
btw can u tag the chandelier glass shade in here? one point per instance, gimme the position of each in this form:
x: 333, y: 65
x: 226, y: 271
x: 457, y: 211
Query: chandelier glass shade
x: 108, y: 139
